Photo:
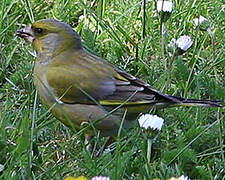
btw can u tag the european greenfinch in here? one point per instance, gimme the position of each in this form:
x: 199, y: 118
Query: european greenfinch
x: 81, y: 88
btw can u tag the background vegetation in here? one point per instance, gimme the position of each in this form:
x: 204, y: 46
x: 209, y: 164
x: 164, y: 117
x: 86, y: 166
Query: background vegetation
x: 35, y: 145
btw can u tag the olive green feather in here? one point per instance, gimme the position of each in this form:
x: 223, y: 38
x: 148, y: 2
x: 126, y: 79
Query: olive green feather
x: 80, y: 87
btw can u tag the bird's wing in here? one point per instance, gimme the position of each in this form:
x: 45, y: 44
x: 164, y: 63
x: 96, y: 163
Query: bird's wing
x: 80, y: 84
x: 135, y: 91
x: 92, y: 78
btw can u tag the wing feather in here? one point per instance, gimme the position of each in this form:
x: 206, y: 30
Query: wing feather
x: 84, y: 72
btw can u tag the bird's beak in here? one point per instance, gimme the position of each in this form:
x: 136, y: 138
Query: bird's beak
x: 26, y: 33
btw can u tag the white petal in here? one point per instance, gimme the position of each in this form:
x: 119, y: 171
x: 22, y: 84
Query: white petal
x: 184, y: 42
x: 165, y: 6
x: 151, y: 121
x: 100, y: 178
x: 158, y: 122
x: 183, y: 178
x: 198, y: 21
x: 202, y: 18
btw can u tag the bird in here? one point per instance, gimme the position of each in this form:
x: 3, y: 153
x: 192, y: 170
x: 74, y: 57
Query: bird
x: 84, y: 90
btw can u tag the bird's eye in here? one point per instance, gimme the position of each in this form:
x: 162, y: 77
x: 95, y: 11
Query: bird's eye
x: 38, y: 30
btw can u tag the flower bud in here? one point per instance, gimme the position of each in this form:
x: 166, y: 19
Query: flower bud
x: 183, y: 44
x: 151, y: 124
x: 202, y: 23
x: 100, y: 178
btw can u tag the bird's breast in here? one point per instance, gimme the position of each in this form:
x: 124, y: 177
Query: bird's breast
x: 45, y: 92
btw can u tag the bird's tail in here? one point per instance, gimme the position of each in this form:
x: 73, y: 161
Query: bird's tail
x: 197, y: 102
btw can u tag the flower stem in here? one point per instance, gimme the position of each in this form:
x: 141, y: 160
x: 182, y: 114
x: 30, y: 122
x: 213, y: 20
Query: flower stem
x: 221, y: 140
x: 212, y: 40
x: 170, y: 64
x: 163, y: 31
x: 149, y: 149
x: 144, y: 19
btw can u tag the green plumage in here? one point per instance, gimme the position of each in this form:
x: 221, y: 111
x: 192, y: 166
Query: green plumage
x: 83, y: 88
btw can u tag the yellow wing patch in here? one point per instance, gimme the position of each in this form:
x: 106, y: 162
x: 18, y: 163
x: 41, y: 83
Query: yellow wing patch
x: 118, y: 76
x: 117, y: 103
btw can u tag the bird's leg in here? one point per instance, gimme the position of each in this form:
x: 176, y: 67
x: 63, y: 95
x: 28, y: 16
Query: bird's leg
x: 107, y: 143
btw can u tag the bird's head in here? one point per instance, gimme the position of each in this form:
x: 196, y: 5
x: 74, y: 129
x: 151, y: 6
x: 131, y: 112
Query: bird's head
x: 50, y: 36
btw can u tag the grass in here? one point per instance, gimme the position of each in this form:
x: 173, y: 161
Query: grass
x: 35, y: 145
